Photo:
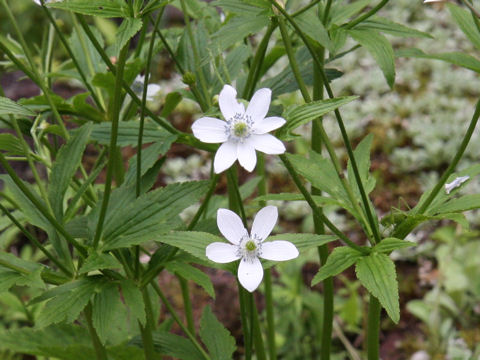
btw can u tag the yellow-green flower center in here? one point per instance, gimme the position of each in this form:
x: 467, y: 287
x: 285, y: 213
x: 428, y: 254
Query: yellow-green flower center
x: 240, y: 129
x: 250, y: 245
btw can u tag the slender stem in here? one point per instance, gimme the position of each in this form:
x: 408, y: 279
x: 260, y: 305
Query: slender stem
x: 242, y: 294
x: 305, y: 8
x: 346, y: 140
x: 187, y: 304
x: 196, y: 56
x: 256, y: 331
x: 177, y: 319
x: 316, y: 210
x: 365, y: 16
x: 205, y: 202
x: 40, y: 206
x: 146, y: 331
x: 234, y: 197
x: 100, y: 352
x: 35, y: 241
x: 114, y: 118
x: 326, y: 12
x: 373, y: 328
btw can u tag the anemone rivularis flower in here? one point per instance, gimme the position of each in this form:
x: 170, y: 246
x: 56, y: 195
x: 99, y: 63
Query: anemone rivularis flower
x: 455, y: 183
x: 242, y: 132
x: 248, y: 248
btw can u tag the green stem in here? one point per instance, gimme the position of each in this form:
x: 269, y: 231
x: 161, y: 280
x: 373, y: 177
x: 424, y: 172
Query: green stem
x: 365, y: 16
x: 234, y: 197
x: 346, y: 140
x: 256, y: 331
x: 177, y: 319
x: 205, y: 202
x: 373, y: 328
x: 187, y: 304
x: 40, y: 206
x: 316, y: 210
x: 100, y: 352
x: 114, y: 118
x: 35, y: 241
x: 146, y: 331
x: 247, y: 343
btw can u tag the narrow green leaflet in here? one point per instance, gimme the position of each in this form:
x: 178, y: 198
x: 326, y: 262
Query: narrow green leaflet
x: 193, y: 242
x: 342, y: 11
x: 389, y: 244
x: 65, y: 166
x: 304, y: 242
x: 362, y: 157
x: 319, y: 200
x: 380, y: 48
x: 465, y: 21
x: 106, y: 310
x: 377, y: 273
x: 243, y: 8
x: 134, y: 300
x: 102, y: 8
x: 303, y: 114
x: 220, y: 343
x: 16, y: 271
x: 189, y: 272
x: 455, y: 58
x: 340, y: 259
x: 461, y: 204
x: 128, y: 28
x: 10, y: 107
x: 98, y: 261
x: 128, y: 133
x: 171, y: 102
x: 389, y: 27
x: 11, y: 144
x: 63, y: 341
x: 311, y: 25
x: 175, y: 346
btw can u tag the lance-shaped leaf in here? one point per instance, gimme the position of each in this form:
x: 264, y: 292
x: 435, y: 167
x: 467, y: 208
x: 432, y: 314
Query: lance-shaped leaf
x: 102, y: 8
x: 10, y: 107
x: 220, y: 343
x: 455, y: 58
x: 377, y: 273
x: 340, y: 259
x: 389, y: 244
x: 465, y: 21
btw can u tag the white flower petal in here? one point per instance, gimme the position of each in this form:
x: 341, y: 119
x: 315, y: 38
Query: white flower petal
x: 140, y: 79
x: 279, y: 250
x: 250, y: 274
x: 221, y: 253
x: 210, y: 130
x: 264, y: 222
x: 267, y: 144
x: 227, y: 100
x: 259, y: 104
x: 268, y: 124
x: 152, y: 91
x: 246, y: 156
x: 231, y: 226
x: 225, y: 156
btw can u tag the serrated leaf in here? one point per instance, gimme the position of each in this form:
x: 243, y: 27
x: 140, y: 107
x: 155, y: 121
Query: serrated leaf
x: 219, y: 341
x: 27, y: 273
x: 390, y: 244
x: 134, y: 300
x: 10, y: 107
x: 381, y: 50
x: 11, y: 144
x: 89, y: 60
x: 461, y: 204
x: 97, y: 261
x: 389, y: 27
x: 303, y: 114
x: 455, y: 58
x: 175, y: 346
x: 377, y: 273
x: 189, y: 272
x: 465, y: 21
x: 65, y: 166
x: 102, y: 8
x: 128, y: 133
x: 128, y: 28
x: 150, y: 215
x: 320, y: 200
x: 106, y: 308
x: 340, y: 259
x: 362, y: 157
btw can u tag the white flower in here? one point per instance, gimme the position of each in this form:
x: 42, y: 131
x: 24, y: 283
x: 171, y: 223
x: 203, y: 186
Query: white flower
x: 242, y: 132
x: 152, y: 89
x: 433, y: 1
x: 456, y: 183
x: 247, y: 247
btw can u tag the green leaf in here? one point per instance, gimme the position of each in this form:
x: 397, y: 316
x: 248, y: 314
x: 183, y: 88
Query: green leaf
x: 243, y: 8
x: 106, y: 308
x: 26, y: 273
x: 461, y: 204
x: 377, y: 273
x: 389, y: 27
x: 455, y: 58
x: 134, y: 300
x: 67, y: 305
x: 171, y: 102
x: 87, y: 56
x: 320, y: 200
x: 303, y: 114
x: 380, y: 48
x: 311, y: 25
x: 340, y: 259
x: 65, y: 166
x: 150, y: 215
x: 150, y: 156
x: 128, y: 133
x: 304, y: 242
x: 389, y: 244
x: 340, y: 11
x: 128, y: 28
x: 465, y: 21
x: 219, y: 341
x: 11, y: 144
x: 64, y: 342
x: 175, y: 346
x: 102, y: 8
x: 362, y: 157
x: 10, y: 107
x: 189, y: 272
x: 98, y: 261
